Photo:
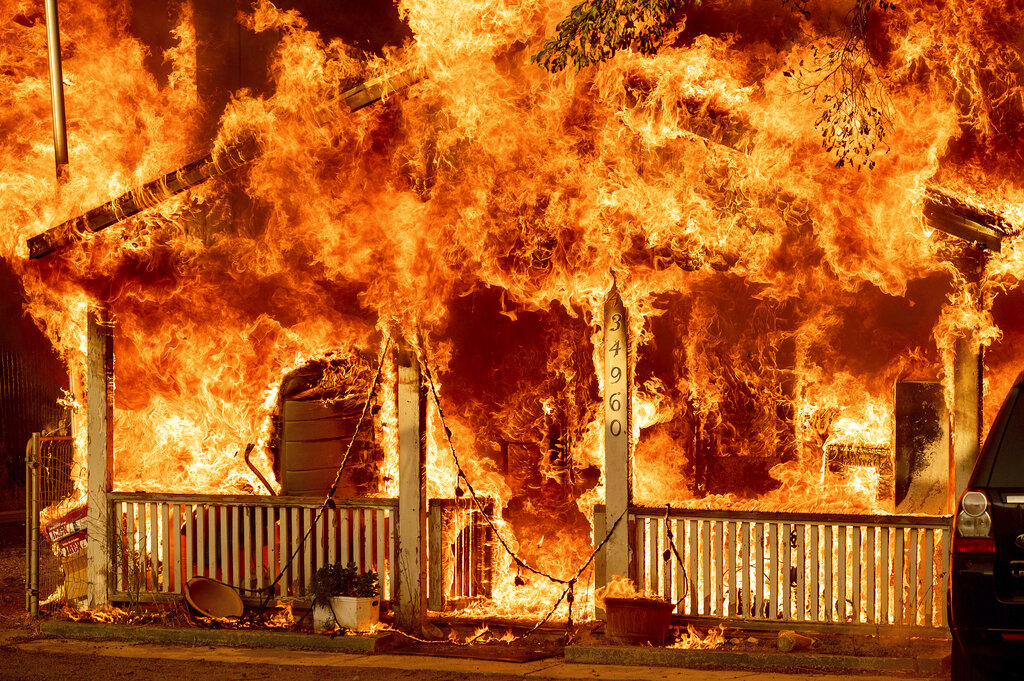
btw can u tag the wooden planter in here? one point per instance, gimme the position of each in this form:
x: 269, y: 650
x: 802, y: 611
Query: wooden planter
x: 637, y: 620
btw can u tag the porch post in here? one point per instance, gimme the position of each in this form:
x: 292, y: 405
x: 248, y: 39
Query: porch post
x: 412, y: 493
x: 100, y: 403
x: 967, y: 373
x: 617, y: 470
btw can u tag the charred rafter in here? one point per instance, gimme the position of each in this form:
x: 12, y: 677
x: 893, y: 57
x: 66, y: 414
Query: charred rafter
x: 943, y: 212
x: 956, y: 218
x: 152, y: 193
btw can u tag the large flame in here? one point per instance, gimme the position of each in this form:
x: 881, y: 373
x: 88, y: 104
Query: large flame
x: 486, y: 212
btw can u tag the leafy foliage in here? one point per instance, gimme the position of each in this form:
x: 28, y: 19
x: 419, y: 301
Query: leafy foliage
x: 595, y: 30
x: 843, y: 79
x: 342, y: 580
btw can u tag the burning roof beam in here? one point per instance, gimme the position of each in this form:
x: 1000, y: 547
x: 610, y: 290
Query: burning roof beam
x: 941, y: 211
x: 152, y: 193
x: 958, y: 219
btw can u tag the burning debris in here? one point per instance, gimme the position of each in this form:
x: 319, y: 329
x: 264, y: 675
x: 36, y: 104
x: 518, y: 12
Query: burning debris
x: 771, y: 300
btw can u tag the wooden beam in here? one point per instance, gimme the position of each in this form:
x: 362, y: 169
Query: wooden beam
x: 983, y: 229
x: 617, y: 469
x: 192, y: 174
x: 137, y: 200
x: 411, y: 611
x: 99, y: 402
x: 954, y: 217
x: 967, y: 373
x: 436, y: 599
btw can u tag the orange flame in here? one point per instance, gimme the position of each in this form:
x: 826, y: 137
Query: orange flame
x: 774, y: 298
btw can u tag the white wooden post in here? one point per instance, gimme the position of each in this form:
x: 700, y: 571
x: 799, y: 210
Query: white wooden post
x: 617, y: 473
x: 966, y: 411
x: 99, y: 401
x: 412, y: 493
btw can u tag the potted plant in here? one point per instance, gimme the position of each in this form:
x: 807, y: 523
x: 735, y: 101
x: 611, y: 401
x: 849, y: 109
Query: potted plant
x: 344, y: 596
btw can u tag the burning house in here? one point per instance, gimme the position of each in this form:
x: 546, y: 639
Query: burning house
x: 727, y: 313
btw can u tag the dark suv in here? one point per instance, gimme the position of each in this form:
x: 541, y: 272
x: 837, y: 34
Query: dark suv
x: 986, y: 587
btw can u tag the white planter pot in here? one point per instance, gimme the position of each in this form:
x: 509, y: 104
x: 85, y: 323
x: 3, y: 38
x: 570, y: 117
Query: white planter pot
x: 358, y: 613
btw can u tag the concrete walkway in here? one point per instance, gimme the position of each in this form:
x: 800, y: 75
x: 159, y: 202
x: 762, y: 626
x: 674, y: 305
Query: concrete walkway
x: 354, y: 653
x: 353, y: 663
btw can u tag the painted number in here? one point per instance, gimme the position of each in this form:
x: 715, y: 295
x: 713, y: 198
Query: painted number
x: 615, y: 374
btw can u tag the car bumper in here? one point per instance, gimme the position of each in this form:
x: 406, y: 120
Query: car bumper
x: 989, y: 630
x: 990, y: 648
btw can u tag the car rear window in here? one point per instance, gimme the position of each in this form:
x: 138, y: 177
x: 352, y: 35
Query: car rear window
x: 1008, y: 467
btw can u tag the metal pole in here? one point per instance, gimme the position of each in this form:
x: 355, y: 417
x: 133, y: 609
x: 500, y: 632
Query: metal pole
x: 34, y: 543
x: 28, y: 522
x: 60, y: 133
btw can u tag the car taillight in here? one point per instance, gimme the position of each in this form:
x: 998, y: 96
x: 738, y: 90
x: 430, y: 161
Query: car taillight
x: 962, y: 545
x: 973, y: 526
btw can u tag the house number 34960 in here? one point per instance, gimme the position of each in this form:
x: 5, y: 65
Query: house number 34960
x: 615, y: 374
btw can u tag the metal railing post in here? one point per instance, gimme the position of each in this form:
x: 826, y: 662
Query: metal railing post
x: 28, y: 523
x: 33, y: 556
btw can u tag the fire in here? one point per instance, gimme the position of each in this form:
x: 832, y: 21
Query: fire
x: 774, y: 297
x: 693, y: 640
x: 619, y: 587
x: 283, y: 616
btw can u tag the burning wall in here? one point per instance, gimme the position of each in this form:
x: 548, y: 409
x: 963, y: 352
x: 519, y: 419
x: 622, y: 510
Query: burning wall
x: 775, y: 296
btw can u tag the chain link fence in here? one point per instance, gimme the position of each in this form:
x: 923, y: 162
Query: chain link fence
x: 55, y: 542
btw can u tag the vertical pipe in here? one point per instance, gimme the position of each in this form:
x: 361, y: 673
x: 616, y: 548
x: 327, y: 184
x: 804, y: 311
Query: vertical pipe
x: 28, y: 523
x: 60, y: 134
x: 34, y: 543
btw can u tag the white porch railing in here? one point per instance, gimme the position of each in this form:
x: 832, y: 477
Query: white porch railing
x: 460, y: 545
x: 884, y: 573
x: 160, y: 541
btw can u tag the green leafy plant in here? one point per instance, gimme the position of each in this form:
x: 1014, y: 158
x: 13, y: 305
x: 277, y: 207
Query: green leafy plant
x: 595, y: 30
x: 842, y: 76
x: 337, y: 579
